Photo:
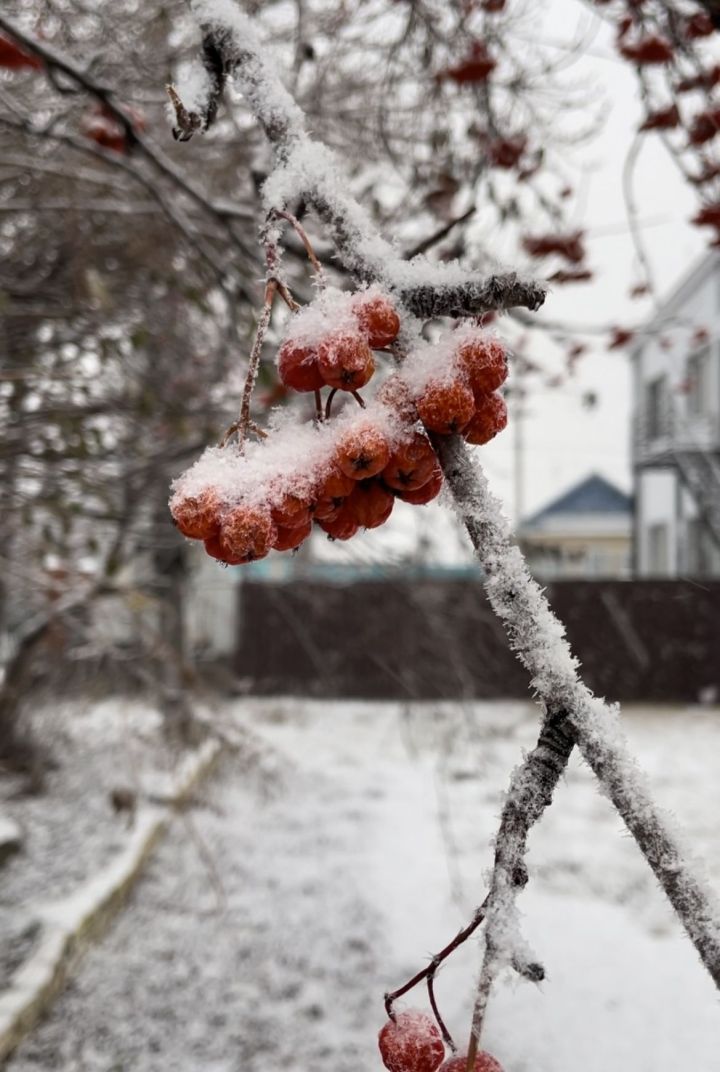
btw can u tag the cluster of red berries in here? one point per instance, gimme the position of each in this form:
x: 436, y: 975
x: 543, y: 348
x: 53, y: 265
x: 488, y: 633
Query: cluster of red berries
x: 412, y: 1043
x: 353, y: 483
x: 334, y: 348
x: 462, y: 397
x: 344, y: 474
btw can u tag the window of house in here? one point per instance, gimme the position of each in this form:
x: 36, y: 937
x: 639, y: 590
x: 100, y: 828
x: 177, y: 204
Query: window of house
x: 658, y: 550
x: 655, y: 407
x: 697, y: 379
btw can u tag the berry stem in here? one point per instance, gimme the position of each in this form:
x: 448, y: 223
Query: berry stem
x: 360, y: 401
x: 447, y: 1037
x: 328, y: 405
x: 271, y: 287
x: 437, y: 960
x: 318, y: 406
x: 302, y: 235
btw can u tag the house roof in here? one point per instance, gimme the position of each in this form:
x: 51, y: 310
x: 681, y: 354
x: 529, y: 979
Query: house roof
x: 593, y: 495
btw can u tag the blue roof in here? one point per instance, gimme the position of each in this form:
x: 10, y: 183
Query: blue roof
x: 594, y: 495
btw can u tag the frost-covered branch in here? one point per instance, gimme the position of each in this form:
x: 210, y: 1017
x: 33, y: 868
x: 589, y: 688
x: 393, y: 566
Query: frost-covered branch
x: 306, y: 170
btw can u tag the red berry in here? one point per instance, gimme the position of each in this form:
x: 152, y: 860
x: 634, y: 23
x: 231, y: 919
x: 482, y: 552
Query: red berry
x: 197, y: 516
x: 215, y: 549
x: 411, y: 465
x: 484, y: 1062
x: 287, y: 539
x: 485, y: 363
x: 247, y: 532
x: 429, y: 491
x: 370, y: 503
x: 345, y: 362
x: 362, y: 451
x: 411, y: 1043
x: 446, y: 406
x: 491, y: 417
x: 377, y: 319
x: 298, y: 367
x: 342, y: 526
x: 331, y: 494
x: 291, y: 512
x: 108, y: 133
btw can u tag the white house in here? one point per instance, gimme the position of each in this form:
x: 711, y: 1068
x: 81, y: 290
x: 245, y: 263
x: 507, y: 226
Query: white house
x: 585, y: 532
x: 676, y: 431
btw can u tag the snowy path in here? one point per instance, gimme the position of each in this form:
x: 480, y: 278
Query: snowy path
x: 340, y: 849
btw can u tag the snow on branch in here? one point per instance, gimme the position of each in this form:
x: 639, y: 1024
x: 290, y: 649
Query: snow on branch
x: 308, y: 171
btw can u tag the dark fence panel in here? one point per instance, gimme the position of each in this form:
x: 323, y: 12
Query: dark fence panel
x: 433, y: 639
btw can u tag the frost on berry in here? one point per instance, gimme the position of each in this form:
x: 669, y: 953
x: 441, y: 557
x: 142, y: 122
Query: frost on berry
x: 298, y: 367
x: 362, y: 451
x: 411, y: 464
x: 446, y: 405
x: 490, y: 418
x: 395, y: 394
x: 425, y: 494
x: 287, y: 539
x: 370, y: 503
x: 291, y: 511
x: 484, y: 360
x: 377, y: 319
x: 197, y: 516
x: 215, y: 549
x: 411, y: 1043
x: 247, y: 532
x: 484, y: 1062
x: 345, y: 362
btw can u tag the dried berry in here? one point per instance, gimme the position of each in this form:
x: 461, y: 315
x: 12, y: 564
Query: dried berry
x: 298, y: 367
x: 446, y: 406
x: 411, y: 1043
x: 490, y: 418
x: 377, y: 319
x: 363, y: 451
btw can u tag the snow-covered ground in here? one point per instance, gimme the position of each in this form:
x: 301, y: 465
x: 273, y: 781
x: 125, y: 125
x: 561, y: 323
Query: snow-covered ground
x: 351, y: 840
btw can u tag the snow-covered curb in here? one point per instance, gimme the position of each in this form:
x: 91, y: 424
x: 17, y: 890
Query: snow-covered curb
x: 70, y: 924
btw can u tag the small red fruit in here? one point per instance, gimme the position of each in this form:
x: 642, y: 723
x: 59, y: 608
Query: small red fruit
x: 370, y: 503
x: 446, y: 406
x: 484, y: 1062
x: 411, y: 1043
x: 298, y: 367
x: 247, y: 532
x: 362, y: 451
x: 490, y: 418
x: 411, y: 465
x: 345, y: 362
x: 215, y: 549
x: 342, y: 526
x: 291, y: 511
x: 429, y: 491
x: 288, y: 539
x: 377, y: 319
x: 485, y: 362
x: 106, y: 132
x: 198, y: 516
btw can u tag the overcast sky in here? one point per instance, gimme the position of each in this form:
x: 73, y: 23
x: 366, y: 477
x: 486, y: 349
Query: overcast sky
x: 563, y: 440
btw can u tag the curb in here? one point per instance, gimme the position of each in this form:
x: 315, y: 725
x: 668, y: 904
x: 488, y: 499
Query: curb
x: 70, y: 925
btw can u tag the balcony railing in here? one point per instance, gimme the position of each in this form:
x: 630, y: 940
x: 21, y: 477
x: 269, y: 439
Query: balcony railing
x: 667, y: 429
